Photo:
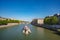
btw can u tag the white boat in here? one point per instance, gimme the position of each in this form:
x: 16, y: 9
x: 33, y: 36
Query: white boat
x: 26, y: 30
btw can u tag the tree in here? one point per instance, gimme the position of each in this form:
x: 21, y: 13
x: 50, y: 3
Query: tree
x: 3, y: 22
x: 51, y: 20
x: 54, y: 20
x: 47, y: 20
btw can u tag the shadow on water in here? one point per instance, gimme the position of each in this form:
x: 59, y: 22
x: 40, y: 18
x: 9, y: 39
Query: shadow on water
x: 51, y: 29
x: 57, y: 33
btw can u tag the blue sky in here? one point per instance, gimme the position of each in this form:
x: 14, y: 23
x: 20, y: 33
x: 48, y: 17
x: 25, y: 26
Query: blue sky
x: 28, y: 9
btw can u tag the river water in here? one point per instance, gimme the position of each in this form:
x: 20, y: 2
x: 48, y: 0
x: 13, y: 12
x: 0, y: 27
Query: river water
x: 38, y: 33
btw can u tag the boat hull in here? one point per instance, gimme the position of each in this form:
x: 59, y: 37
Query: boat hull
x: 27, y: 32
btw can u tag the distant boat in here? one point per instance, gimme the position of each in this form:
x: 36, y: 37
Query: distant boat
x: 26, y: 30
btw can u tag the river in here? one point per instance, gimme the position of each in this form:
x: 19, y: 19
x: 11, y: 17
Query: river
x: 38, y: 33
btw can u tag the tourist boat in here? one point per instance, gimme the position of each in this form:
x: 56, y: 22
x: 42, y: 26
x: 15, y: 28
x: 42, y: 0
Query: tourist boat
x: 26, y: 30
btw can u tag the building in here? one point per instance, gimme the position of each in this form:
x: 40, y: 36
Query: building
x: 40, y: 21
x: 2, y: 18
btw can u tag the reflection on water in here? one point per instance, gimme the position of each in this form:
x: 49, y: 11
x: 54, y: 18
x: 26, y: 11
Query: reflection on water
x: 15, y: 33
x: 40, y: 32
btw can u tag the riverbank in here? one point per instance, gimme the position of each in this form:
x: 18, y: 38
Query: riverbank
x: 52, y: 27
x: 8, y: 25
x: 55, y: 28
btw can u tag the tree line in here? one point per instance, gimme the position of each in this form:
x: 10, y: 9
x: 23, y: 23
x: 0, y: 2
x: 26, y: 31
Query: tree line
x: 5, y: 22
x: 52, y: 20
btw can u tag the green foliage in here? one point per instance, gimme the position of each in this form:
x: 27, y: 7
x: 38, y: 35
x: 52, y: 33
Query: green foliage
x: 13, y: 21
x: 59, y: 21
x: 54, y: 20
x: 51, y: 20
x: 3, y: 22
x: 47, y: 21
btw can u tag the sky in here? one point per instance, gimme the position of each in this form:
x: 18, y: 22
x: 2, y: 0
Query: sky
x: 28, y: 9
